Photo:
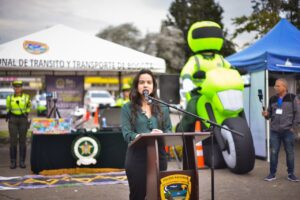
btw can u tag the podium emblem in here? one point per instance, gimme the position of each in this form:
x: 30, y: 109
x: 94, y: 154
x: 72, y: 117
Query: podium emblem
x: 176, y: 186
x: 86, y: 149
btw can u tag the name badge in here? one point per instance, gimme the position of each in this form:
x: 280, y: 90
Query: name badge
x: 278, y: 111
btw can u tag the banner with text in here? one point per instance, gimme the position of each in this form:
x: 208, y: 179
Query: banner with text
x: 79, y: 65
x: 69, y: 91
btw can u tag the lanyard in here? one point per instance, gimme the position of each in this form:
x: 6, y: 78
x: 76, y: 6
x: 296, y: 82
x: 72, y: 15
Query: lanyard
x: 279, y: 102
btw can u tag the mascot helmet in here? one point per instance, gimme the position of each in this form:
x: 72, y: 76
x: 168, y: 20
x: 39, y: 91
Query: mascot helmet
x: 205, y: 35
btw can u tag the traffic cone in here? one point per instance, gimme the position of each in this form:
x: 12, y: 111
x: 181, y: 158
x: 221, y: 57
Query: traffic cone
x: 87, y: 115
x: 198, y: 126
x: 200, y: 156
x: 96, y: 117
x: 199, y: 148
x: 167, y: 148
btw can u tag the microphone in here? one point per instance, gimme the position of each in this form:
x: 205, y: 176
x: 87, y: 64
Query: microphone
x: 146, y: 95
x: 260, y: 96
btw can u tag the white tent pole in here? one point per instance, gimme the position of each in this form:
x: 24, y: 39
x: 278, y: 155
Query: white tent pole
x: 267, y: 122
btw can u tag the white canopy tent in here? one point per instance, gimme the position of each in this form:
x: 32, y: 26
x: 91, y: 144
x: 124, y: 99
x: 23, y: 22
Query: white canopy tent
x: 61, y: 48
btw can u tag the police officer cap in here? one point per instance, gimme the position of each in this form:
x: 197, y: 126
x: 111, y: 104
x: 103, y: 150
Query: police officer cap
x: 126, y: 87
x: 17, y: 83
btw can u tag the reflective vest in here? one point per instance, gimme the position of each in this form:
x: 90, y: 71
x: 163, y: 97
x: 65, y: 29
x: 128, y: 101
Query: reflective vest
x: 18, y: 105
x: 120, y: 102
x: 204, y: 63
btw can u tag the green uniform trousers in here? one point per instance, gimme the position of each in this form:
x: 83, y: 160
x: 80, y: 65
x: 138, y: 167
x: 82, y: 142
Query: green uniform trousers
x: 17, y: 126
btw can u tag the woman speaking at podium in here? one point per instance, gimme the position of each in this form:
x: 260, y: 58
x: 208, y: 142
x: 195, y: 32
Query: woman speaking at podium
x: 142, y: 116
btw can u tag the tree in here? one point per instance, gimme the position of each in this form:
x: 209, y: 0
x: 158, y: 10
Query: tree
x: 265, y: 15
x: 148, y: 44
x: 183, y: 13
x: 291, y: 8
x: 170, y: 46
x: 125, y: 34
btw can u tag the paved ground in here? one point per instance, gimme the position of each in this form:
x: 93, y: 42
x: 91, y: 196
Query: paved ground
x: 227, y: 185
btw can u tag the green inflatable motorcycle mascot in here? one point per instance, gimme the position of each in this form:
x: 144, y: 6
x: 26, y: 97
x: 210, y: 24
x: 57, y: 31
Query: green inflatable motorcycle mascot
x: 215, y: 92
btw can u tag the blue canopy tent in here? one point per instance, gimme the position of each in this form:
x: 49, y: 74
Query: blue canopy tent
x: 278, y: 50
x: 276, y: 53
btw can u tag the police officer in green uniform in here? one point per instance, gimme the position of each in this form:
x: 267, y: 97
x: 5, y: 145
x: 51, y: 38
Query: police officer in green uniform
x: 205, y: 38
x: 18, y: 106
x: 125, y: 95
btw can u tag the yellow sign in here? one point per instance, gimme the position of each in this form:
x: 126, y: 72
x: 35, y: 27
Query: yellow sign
x: 176, y: 186
x: 105, y: 80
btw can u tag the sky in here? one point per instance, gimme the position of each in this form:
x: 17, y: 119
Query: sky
x: 19, y: 18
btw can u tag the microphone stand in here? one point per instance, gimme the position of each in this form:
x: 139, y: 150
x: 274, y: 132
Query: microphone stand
x: 192, y: 114
x: 149, y: 99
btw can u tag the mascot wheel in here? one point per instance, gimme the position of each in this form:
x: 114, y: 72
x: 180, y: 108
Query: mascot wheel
x: 239, y: 154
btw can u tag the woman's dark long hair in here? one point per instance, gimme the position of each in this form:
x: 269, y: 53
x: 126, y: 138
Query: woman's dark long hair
x: 136, y: 97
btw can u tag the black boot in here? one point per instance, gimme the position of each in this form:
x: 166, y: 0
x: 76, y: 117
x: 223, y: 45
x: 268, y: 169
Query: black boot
x: 22, y: 156
x: 13, y: 157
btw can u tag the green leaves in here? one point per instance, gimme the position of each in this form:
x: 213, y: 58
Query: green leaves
x: 266, y: 14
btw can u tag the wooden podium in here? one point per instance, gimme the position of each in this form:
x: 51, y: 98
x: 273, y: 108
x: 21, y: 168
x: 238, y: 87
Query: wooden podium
x: 158, y: 181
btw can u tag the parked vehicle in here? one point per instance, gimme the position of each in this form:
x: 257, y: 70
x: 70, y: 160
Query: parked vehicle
x: 39, y: 103
x: 4, y: 92
x: 95, y: 98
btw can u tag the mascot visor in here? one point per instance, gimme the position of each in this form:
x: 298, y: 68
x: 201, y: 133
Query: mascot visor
x: 207, y: 32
